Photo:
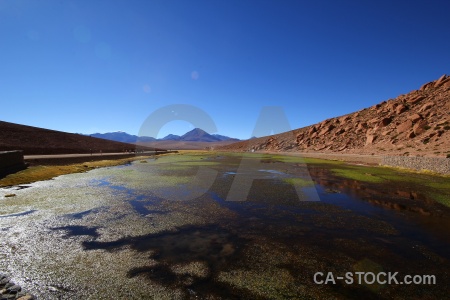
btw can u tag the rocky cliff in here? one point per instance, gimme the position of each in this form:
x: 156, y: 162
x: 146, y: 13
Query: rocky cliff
x: 417, y: 123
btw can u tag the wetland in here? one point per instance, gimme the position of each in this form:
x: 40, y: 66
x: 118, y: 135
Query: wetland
x: 226, y: 226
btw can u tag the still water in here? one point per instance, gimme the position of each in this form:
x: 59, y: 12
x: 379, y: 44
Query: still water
x: 175, y: 228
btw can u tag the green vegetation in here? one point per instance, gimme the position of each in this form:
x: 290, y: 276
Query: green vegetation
x: 357, y: 174
x: 442, y: 198
x: 302, y: 182
x: 37, y: 173
x: 197, y: 163
x: 436, y: 187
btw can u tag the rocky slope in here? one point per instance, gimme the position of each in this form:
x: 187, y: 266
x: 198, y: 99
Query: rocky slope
x: 33, y: 140
x: 417, y: 123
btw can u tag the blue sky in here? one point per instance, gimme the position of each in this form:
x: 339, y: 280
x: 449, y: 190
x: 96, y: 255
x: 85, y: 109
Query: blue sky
x: 99, y: 66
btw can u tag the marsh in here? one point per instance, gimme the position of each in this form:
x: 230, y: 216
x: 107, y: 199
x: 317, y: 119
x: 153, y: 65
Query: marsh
x: 163, y: 229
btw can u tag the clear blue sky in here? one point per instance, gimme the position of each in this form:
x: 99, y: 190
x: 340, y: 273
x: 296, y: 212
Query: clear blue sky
x: 99, y: 66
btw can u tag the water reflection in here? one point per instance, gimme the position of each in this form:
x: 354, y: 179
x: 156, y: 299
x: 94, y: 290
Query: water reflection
x: 266, y: 247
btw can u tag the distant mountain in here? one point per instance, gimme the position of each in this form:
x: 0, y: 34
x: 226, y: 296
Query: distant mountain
x: 199, y: 135
x: 224, y: 137
x: 195, y: 135
x: 171, y: 137
x: 123, y: 137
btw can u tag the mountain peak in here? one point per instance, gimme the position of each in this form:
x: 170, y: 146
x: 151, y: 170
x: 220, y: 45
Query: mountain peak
x: 198, y: 134
x: 195, y: 135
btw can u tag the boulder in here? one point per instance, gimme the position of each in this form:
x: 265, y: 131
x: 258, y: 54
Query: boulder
x: 426, y: 86
x: 405, y: 126
x: 440, y: 80
x: 419, y: 127
x: 361, y: 126
x: 401, y: 108
x: 343, y: 119
x: 415, y: 117
x: 312, y: 130
x: 385, y: 122
x: 425, y: 107
x: 370, y: 138
x: 446, y: 84
x: 342, y: 130
x: 415, y: 100
x: 326, y: 129
x: 391, y: 105
x: 374, y: 121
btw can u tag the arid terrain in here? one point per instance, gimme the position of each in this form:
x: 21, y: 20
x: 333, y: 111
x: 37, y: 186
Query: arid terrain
x: 33, y: 140
x: 414, y: 124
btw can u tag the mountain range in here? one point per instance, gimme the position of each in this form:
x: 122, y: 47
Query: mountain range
x: 195, y: 135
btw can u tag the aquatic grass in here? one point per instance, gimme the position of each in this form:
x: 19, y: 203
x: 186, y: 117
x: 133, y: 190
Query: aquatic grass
x: 441, y: 198
x: 198, y: 163
x: 432, y: 186
x: 297, y: 181
x: 38, y: 173
x: 178, y: 158
x: 357, y: 175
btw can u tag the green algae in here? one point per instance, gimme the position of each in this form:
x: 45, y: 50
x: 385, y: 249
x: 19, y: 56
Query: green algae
x: 441, y: 198
x: 357, y: 175
x: 198, y: 163
x: 268, y: 270
x: 298, y: 181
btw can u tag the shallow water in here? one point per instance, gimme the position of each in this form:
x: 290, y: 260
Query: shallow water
x: 123, y: 232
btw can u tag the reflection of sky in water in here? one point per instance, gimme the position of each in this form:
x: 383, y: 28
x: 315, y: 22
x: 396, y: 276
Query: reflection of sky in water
x: 124, y: 221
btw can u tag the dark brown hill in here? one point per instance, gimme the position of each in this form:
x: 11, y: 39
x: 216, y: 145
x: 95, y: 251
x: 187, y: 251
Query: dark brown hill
x: 417, y: 123
x: 33, y: 140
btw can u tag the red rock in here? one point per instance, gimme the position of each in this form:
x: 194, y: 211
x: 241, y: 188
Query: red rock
x: 411, y: 135
x: 404, y: 126
x: 425, y: 107
x: 426, y: 86
x: 440, y: 80
x: 374, y: 121
x: 370, y: 138
x: 384, y: 122
x: 415, y: 117
x: 362, y: 126
x: 392, y: 105
x: 401, y: 108
x: 446, y: 84
x: 312, y: 130
x: 419, y: 127
x: 326, y: 129
x: 415, y: 100
x: 342, y: 130
x: 343, y: 119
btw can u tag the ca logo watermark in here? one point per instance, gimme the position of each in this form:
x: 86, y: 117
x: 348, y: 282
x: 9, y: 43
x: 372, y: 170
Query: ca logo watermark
x: 271, y: 120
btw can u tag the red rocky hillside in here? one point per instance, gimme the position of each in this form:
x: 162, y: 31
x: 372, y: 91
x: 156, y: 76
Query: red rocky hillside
x: 417, y: 123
